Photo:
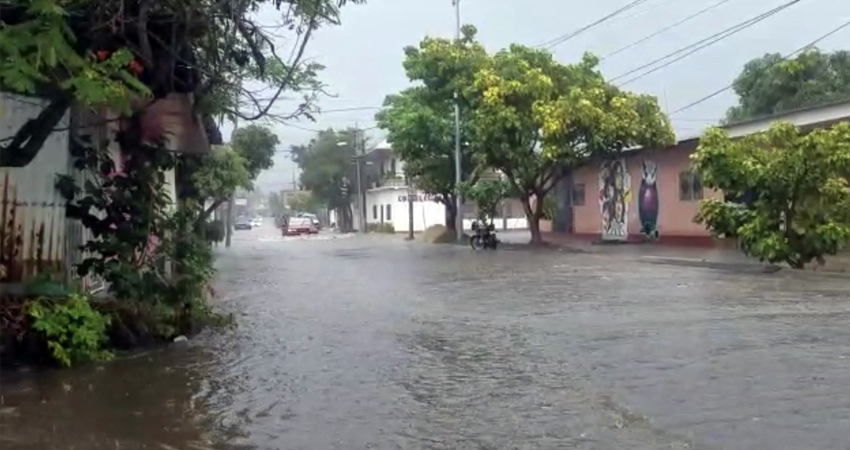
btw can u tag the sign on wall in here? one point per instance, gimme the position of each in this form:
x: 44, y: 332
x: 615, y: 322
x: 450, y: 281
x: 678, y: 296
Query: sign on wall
x: 421, y: 198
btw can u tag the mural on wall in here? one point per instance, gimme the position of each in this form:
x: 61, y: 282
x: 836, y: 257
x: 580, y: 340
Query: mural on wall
x: 614, y: 196
x: 648, y: 200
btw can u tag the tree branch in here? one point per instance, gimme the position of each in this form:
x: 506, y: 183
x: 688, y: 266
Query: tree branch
x: 29, y: 139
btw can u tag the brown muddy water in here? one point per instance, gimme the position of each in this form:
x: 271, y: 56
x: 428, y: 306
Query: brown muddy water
x: 374, y: 343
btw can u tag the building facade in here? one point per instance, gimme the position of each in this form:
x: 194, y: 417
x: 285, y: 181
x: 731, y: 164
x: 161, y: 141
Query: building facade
x: 387, y: 194
x: 652, y: 194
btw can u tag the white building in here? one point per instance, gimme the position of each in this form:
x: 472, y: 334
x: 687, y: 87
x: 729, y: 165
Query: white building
x: 387, y: 195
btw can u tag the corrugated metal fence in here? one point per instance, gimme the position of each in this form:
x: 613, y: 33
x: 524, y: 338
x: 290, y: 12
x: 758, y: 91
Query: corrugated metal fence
x: 35, y: 236
x: 32, y: 213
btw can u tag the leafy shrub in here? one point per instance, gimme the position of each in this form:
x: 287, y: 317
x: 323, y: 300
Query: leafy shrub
x: 380, y: 228
x: 215, y: 231
x: 73, y: 331
x: 549, y: 207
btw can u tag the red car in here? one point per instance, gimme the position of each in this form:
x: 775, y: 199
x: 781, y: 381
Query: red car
x: 300, y: 225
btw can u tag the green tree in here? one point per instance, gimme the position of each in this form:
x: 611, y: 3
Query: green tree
x: 328, y: 171
x: 787, y: 192
x: 276, y: 205
x: 304, y: 201
x: 771, y: 84
x: 256, y: 144
x: 218, y: 175
x: 419, y: 120
x: 68, y: 51
x: 531, y: 117
x: 486, y: 194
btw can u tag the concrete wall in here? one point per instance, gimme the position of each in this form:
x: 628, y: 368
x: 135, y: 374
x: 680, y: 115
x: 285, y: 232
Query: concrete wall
x: 426, y: 212
x: 674, y: 215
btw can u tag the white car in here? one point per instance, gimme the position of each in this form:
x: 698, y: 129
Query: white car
x: 256, y: 222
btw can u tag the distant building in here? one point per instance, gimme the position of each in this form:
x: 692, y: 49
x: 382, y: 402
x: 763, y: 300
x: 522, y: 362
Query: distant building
x: 387, y: 194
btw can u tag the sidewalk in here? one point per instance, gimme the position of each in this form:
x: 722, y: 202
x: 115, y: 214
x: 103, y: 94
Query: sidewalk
x: 660, y: 251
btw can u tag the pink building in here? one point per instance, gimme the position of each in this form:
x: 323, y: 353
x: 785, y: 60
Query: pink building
x: 653, y: 194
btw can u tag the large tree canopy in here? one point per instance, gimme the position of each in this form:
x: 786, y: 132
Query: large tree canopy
x: 103, y: 53
x: 422, y: 133
x: 787, y: 192
x: 531, y: 117
x: 772, y: 84
x: 328, y: 171
x: 420, y: 121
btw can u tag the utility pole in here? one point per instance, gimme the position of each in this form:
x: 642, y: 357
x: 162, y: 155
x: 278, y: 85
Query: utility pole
x: 361, y: 195
x: 458, y: 177
x: 361, y: 146
x: 410, y: 192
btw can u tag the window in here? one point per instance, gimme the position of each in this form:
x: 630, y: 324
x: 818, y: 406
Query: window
x: 578, y: 195
x: 392, y: 166
x: 389, y: 213
x: 374, y: 211
x: 690, y: 186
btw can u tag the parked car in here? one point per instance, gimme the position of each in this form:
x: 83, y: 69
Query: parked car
x: 256, y: 221
x: 300, y: 225
x: 242, y: 223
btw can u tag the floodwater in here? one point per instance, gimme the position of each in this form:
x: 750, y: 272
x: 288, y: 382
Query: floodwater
x: 376, y: 343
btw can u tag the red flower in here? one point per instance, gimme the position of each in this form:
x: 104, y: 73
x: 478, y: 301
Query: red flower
x: 101, y: 55
x: 135, y: 67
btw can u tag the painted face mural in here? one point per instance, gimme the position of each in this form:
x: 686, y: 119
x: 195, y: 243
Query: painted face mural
x: 614, y: 196
x: 648, y: 200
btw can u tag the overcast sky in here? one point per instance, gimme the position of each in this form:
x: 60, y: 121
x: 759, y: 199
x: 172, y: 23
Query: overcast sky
x: 363, y: 55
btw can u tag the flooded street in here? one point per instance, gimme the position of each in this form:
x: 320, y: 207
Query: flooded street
x: 377, y: 343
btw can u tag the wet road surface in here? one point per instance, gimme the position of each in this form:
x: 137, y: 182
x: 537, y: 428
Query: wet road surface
x: 377, y: 343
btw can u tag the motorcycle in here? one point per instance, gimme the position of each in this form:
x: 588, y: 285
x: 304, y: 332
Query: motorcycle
x: 483, y: 236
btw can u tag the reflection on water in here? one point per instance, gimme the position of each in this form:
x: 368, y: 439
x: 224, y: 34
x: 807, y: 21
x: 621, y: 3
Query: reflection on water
x: 139, y: 401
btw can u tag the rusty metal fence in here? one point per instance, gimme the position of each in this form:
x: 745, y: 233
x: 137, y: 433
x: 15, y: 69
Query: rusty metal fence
x: 35, y: 237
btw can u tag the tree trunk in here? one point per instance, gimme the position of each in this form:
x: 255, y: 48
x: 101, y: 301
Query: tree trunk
x: 532, y: 215
x: 228, y: 221
x: 345, y: 218
x: 451, y: 212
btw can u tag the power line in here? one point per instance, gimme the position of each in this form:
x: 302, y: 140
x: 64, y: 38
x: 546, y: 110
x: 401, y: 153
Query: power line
x: 354, y: 108
x: 703, y: 43
x: 564, y: 38
x: 784, y: 58
x: 669, y: 27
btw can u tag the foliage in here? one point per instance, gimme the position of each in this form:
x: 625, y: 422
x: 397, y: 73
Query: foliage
x: 385, y: 227
x: 276, y: 204
x: 787, y: 192
x: 303, y: 201
x: 771, y: 84
x: 486, y: 194
x: 125, y: 208
x: 328, y: 171
x: 256, y: 145
x: 72, y: 330
x: 214, y: 231
x: 67, y: 50
x: 223, y: 172
x: 419, y: 120
x: 144, y: 247
x: 532, y: 116
x: 219, y: 173
x: 549, y: 208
